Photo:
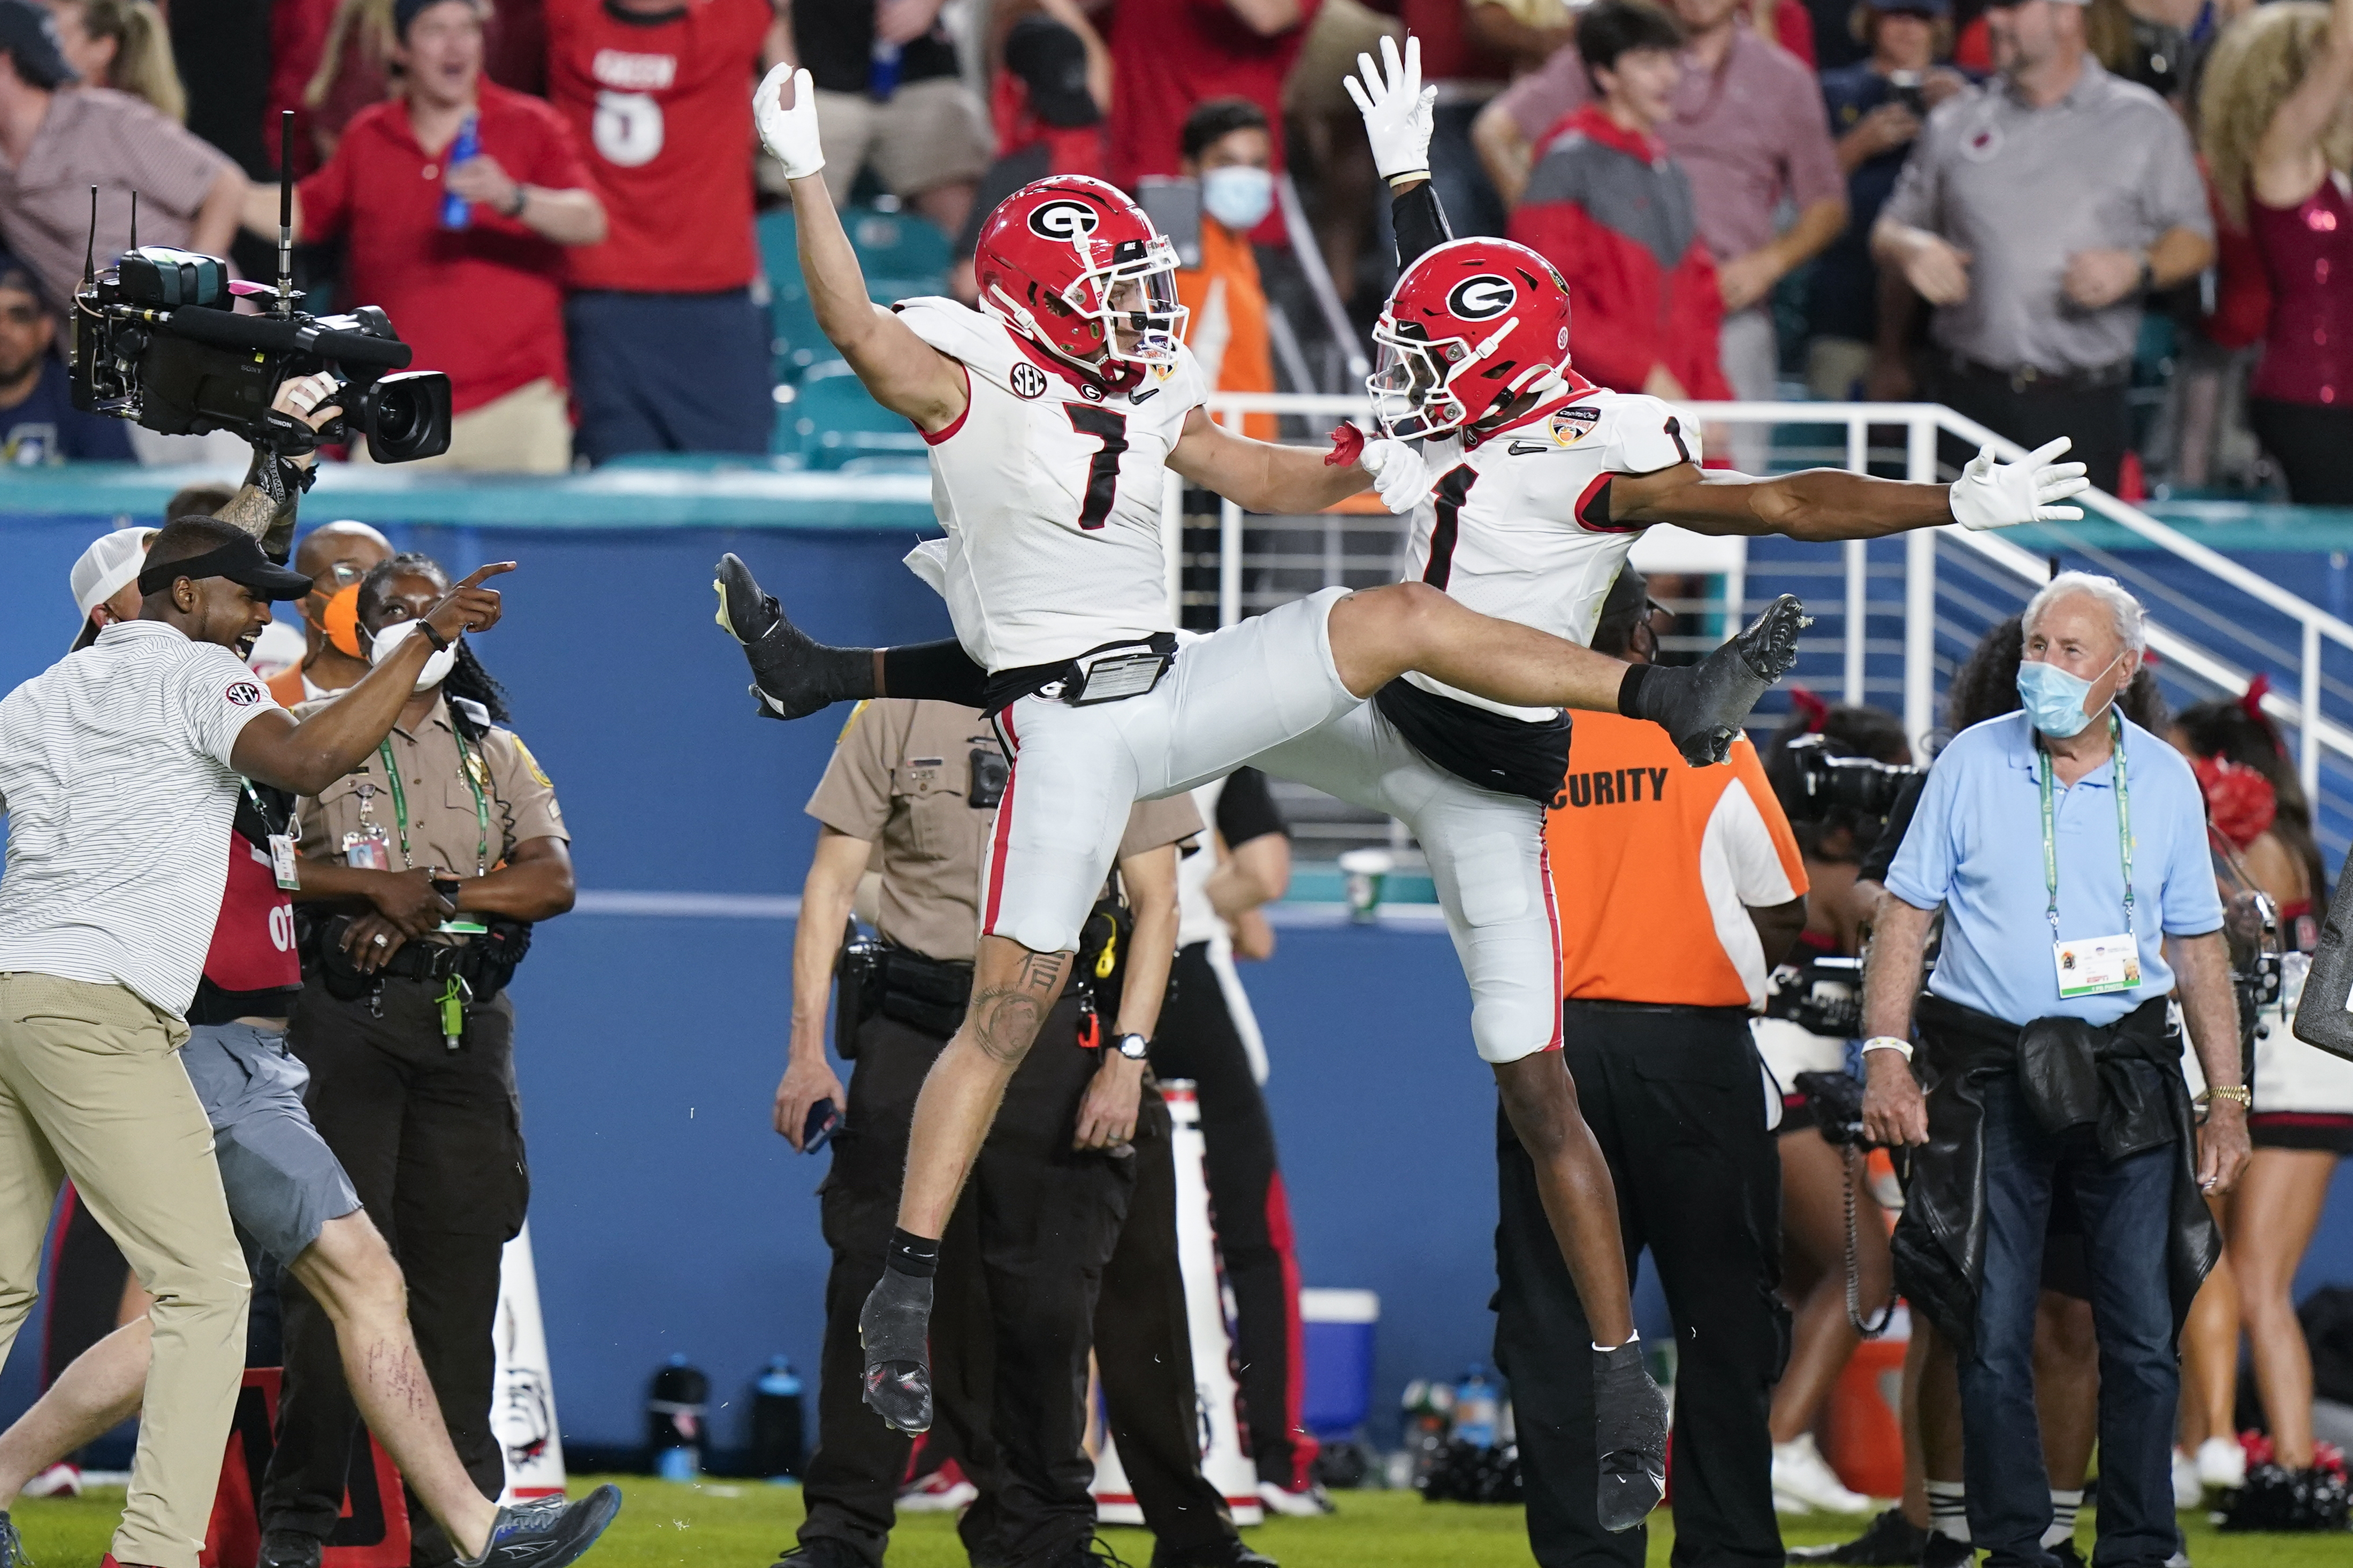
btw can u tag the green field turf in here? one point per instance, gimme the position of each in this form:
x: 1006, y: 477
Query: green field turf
x: 745, y: 1524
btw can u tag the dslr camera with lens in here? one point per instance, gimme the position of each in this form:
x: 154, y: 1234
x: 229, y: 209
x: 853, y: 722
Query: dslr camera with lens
x: 156, y: 340
x: 1817, y: 783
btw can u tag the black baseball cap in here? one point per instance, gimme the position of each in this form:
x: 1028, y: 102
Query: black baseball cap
x: 29, y: 35
x: 1051, y: 62
x: 240, y: 560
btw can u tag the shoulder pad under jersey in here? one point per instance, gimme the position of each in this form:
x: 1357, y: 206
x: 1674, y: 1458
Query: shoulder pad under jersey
x: 1647, y: 433
x: 980, y: 340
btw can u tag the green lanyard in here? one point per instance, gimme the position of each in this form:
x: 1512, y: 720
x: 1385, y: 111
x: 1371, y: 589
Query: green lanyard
x: 2123, y: 829
x: 400, y: 800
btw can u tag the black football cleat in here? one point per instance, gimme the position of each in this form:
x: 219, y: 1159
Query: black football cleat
x: 791, y: 672
x: 1629, y: 1433
x: 1702, y: 705
x: 1891, y: 1541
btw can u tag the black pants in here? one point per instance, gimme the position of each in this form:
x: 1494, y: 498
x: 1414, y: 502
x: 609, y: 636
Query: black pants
x: 1674, y: 1095
x: 432, y: 1140
x: 1144, y: 1353
x: 2312, y: 443
x: 1020, y: 1266
x: 1197, y: 1040
x: 2098, y: 421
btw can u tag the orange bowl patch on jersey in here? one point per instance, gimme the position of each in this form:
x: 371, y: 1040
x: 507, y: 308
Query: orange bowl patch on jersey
x: 1572, y: 425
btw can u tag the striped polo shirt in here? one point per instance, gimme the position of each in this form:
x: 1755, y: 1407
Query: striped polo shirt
x: 115, y: 777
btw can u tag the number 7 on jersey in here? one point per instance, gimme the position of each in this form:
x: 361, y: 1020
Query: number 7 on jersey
x: 1109, y: 427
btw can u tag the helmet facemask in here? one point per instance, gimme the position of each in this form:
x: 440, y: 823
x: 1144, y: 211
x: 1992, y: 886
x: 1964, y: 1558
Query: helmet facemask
x: 1134, y: 295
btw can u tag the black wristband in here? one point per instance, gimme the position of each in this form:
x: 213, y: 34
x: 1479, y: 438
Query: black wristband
x: 911, y: 1254
x: 1630, y: 690
x: 425, y: 629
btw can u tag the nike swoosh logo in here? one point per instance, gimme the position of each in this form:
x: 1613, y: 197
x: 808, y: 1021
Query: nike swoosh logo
x: 1144, y: 396
x: 1528, y: 448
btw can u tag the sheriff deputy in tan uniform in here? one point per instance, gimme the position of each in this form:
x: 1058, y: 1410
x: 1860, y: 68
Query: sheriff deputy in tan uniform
x: 422, y: 873
x: 913, y: 789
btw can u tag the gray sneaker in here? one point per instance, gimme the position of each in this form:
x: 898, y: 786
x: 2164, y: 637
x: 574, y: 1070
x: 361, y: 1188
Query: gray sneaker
x: 548, y: 1533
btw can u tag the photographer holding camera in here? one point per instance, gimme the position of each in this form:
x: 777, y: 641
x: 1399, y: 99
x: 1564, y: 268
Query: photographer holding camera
x: 423, y: 868
x: 1687, y: 890
x: 464, y: 248
x: 121, y: 769
x: 285, y: 1189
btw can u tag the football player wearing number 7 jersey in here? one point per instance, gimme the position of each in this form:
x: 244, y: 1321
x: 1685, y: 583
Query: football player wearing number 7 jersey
x: 1054, y: 415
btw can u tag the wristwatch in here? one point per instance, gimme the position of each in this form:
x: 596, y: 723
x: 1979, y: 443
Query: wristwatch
x: 2237, y: 1091
x: 1132, y: 1046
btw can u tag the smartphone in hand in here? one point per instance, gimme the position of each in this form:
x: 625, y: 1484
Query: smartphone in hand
x: 824, y: 1121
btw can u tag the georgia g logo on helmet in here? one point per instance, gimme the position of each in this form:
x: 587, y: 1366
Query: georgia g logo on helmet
x: 1063, y: 220
x: 1482, y: 298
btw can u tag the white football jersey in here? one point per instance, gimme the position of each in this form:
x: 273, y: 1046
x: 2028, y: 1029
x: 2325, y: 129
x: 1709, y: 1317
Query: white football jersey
x: 1503, y: 529
x: 1050, y: 491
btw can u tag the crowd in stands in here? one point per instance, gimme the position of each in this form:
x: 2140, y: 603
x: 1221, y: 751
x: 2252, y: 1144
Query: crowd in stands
x: 2117, y: 220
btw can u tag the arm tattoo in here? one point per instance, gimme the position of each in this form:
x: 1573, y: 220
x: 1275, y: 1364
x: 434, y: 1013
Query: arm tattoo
x: 251, y: 509
x: 1006, y: 1019
x: 265, y: 507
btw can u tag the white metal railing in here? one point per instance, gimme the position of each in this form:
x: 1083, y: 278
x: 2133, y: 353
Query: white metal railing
x: 2197, y: 641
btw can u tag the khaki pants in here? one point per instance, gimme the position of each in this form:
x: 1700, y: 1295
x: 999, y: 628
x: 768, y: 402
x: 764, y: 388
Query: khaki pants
x: 528, y: 431
x: 91, y: 1088
x: 931, y: 133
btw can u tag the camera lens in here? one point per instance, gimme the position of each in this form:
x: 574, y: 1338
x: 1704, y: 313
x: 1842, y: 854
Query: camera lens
x: 400, y: 416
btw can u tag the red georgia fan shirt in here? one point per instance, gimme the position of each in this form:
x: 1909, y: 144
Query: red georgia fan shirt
x: 663, y: 106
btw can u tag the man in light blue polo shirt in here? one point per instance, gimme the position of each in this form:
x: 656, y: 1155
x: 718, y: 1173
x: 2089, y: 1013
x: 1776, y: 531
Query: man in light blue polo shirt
x: 2066, y: 847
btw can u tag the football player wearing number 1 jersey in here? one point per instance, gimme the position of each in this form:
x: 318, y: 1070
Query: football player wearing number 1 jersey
x: 1055, y: 414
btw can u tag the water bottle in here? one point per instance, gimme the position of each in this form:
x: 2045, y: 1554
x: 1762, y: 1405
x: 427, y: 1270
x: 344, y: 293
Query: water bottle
x: 1428, y: 1407
x: 457, y: 211
x: 883, y: 71
x: 1476, y: 1409
x: 674, y: 1407
x: 776, y: 1421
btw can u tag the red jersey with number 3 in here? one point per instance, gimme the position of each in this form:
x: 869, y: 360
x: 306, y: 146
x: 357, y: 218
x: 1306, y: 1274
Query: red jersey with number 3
x: 1049, y: 488
x: 253, y: 940
x: 663, y: 105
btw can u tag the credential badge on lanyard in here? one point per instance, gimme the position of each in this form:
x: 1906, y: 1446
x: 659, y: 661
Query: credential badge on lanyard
x: 2091, y: 965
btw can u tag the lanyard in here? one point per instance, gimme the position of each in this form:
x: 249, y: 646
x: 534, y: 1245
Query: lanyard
x: 400, y: 801
x: 293, y: 819
x: 2042, y: 771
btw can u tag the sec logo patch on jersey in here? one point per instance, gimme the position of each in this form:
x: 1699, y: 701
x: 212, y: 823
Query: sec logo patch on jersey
x: 1571, y: 426
x: 1027, y: 381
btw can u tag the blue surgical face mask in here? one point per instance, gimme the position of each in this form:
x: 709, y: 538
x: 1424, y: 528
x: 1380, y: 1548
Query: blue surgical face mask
x: 2054, y: 699
x: 1238, y: 195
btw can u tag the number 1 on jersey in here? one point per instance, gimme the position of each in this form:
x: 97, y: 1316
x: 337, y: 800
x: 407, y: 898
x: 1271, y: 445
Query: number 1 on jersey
x: 1102, y: 469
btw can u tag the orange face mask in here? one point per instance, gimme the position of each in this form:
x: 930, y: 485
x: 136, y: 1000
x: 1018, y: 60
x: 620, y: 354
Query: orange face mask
x: 341, y: 620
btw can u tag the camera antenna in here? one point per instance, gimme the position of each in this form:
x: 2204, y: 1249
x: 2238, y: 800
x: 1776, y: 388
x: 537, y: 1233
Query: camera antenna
x: 90, y: 246
x: 285, y: 306
x: 134, y: 222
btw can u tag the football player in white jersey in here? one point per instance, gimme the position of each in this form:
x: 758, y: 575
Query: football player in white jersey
x: 1053, y: 417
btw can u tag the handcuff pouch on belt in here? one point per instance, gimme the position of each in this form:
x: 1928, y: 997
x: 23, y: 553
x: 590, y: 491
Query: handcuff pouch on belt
x: 926, y: 994
x: 1099, y: 973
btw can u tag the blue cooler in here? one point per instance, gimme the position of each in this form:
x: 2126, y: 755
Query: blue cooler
x: 1338, y: 1334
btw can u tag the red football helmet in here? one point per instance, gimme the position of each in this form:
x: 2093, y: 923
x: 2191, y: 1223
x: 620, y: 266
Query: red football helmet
x: 1471, y: 326
x: 1074, y: 265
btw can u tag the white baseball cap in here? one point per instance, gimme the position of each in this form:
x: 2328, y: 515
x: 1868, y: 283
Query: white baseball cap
x: 110, y: 564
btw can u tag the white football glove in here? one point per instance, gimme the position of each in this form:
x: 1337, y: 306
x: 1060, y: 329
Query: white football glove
x: 789, y: 135
x: 1398, y: 473
x: 1397, y: 110
x: 1992, y: 494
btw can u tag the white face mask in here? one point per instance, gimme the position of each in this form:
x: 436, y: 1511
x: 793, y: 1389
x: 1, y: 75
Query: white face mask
x: 1238, y: 195
x: 436, y: 665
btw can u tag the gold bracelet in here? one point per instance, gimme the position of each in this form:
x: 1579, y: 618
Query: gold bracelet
x: 2238, y: 1092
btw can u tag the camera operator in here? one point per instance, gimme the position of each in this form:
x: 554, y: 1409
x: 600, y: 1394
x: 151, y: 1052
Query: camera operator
x: 285, y: 1189
x: 423, y: 868
x: 38, y: 423
x: 483, y: 300
x: 1027, y: 1248
x: 1822, y: 769
x: 2065, y: 1077
x: 1687, y: 889
x: 119, y: 771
